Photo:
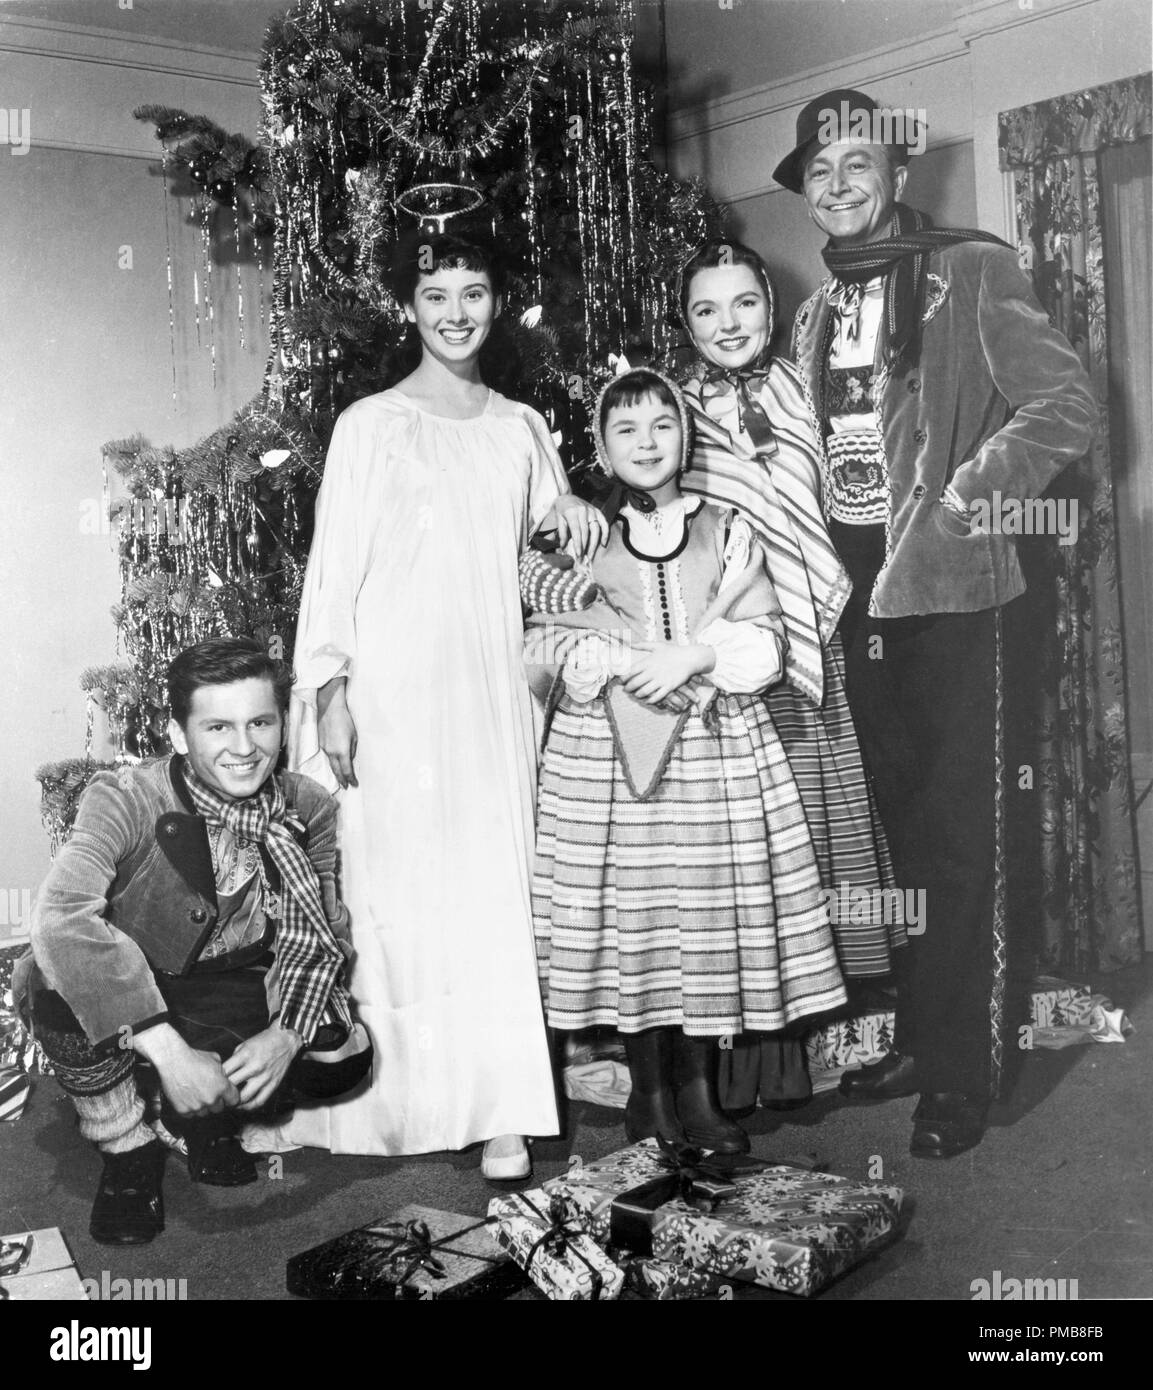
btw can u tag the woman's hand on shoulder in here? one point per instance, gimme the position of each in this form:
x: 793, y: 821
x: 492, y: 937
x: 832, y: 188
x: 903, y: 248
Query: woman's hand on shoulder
x: 580, y: 527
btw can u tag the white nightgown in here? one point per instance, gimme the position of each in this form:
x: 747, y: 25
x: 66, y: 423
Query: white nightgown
x: 412, y: 592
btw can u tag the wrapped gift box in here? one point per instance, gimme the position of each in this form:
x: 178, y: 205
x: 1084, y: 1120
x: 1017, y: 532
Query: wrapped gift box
x: 48, y: 1273
x: 854, y: 1042
x: 14, y: 1088
x: 665, y: 1283
x: 1058, y: 1004
x: 416, y: 1252
x: 785, y: 1229
x: 17, y: 1047
x: 851, y: 1042
x: 560, y: 1259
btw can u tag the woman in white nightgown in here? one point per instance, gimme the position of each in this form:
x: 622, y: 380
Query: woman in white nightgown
x: 409, y: 648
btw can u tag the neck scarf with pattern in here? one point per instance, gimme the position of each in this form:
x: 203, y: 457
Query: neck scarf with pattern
x: 903, y: 258
x: 309, y: 960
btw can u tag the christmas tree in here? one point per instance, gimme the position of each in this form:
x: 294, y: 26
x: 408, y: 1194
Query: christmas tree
x: 526, y: 120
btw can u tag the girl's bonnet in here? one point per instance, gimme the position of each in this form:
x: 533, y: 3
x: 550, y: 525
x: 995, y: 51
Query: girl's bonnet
x: 640, y: 381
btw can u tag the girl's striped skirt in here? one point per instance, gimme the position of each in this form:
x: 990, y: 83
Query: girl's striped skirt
x: 700, y: 908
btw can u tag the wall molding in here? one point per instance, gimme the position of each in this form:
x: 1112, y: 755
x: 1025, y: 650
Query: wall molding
x: 890, y: 61
x: 983, y: 17
x: 81, y: 85
x: 45, y: 38
x: 894, y: 60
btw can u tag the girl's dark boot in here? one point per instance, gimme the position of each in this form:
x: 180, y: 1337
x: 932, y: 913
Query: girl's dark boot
x: 697, y: 1105
x: 650, y: 1112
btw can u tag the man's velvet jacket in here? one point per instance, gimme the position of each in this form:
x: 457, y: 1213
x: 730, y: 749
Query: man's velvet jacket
x: 999, y: 402
x: 132, y: 892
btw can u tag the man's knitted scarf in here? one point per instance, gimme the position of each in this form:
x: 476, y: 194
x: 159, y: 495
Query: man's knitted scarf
x: 903, y: 258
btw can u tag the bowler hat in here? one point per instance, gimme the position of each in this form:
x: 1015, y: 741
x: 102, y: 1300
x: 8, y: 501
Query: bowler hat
x: 834, y: 110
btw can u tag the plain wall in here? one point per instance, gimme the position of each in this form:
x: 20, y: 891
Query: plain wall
x: 89, y: 356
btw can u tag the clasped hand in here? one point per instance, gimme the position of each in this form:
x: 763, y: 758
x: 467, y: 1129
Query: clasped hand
x: 197, y: 1083
x: 661, y: 671
x: 260, y: 1063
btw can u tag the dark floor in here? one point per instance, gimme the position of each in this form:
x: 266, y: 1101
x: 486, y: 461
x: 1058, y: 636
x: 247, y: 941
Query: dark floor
x: 1058, y: 1189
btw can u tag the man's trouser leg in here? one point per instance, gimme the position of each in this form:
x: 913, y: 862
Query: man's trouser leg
x: 924, y: 694
x: 217, y: 1011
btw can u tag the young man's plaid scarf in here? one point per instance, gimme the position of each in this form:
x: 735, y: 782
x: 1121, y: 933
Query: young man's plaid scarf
x: 309, y: 960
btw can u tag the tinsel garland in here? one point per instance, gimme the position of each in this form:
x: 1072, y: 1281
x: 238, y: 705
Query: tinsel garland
x: 60, y: 787
x: 535, y: 103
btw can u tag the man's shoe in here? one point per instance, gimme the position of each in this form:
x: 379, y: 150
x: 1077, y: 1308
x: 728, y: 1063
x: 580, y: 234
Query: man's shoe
x: 946, y: 1123
x: 893, y: 1076
x: 129, y: 1205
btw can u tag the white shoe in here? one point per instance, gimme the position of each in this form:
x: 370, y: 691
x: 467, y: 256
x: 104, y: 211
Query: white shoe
x: 514, y: 1166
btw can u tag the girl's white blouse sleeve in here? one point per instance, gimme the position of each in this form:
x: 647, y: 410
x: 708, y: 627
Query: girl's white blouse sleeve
x: 749, y: 652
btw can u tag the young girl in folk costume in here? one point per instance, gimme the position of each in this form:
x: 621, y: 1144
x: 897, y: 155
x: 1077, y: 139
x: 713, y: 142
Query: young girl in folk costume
x: 755, y: 449
x: 677, y: 895
x: 412, y: 696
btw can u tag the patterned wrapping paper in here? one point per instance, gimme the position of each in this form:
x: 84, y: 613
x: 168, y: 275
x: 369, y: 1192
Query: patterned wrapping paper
x: 787, y: 1228
x: 1059, y: 1004
x: 390, y: 1260
x: 854, y: 1042
x: 47, y: 1274
x: 14, y: 1088
x: 563, y: 1269
x: 663, y: 1282
x: 17, y: 1046
x: 851, y: 1042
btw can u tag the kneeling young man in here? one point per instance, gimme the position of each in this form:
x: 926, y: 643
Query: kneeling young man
x: 192, y: 922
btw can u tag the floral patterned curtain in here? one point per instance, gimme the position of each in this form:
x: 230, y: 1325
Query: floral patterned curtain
x: 1089, y: 918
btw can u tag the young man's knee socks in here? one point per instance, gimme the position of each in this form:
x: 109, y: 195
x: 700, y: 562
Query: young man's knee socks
x: 101, y: 1087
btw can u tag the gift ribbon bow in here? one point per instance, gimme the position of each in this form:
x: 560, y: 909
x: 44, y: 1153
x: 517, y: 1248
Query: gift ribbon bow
x: 754, y: 421
x: 687, y: 1175
x: 558, y: 1239
x: 413, y: 1246
x: 696, y: 1175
